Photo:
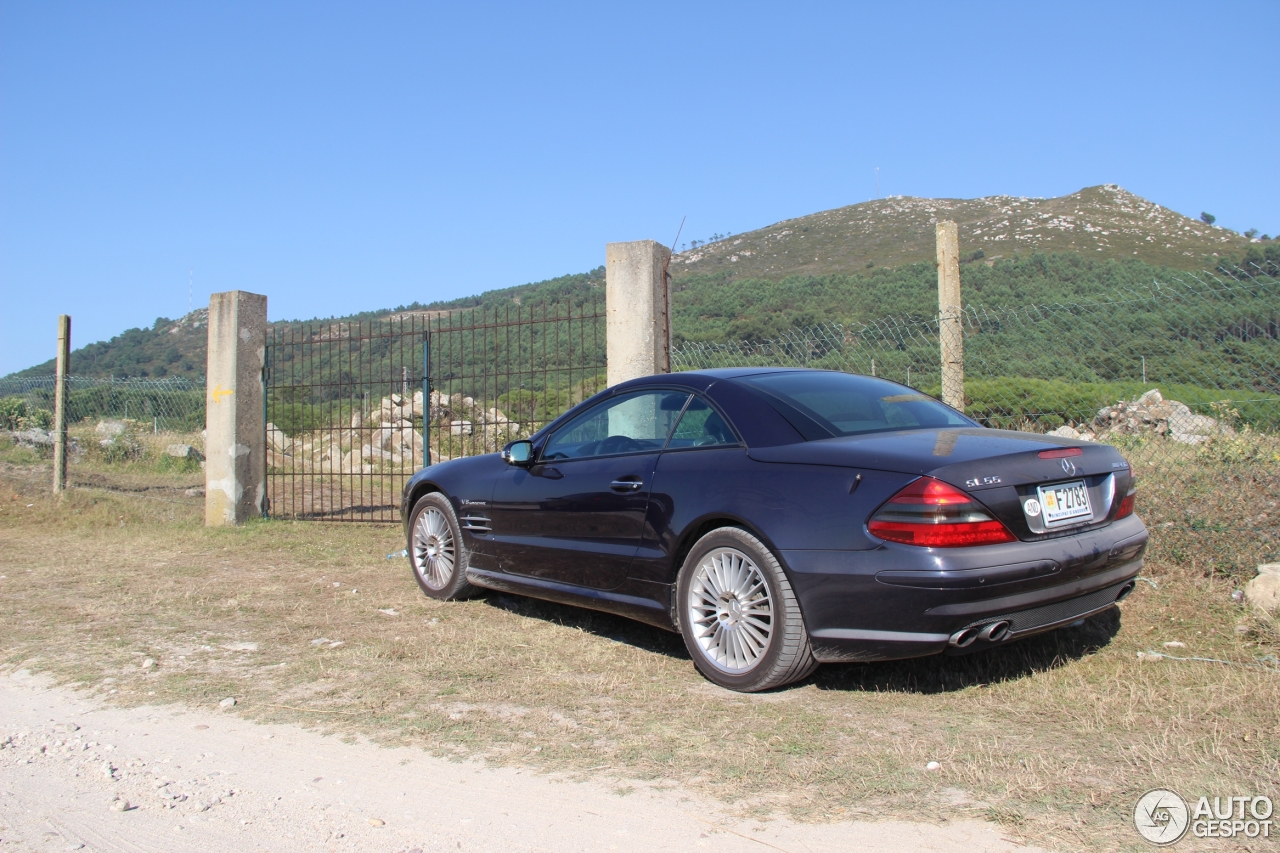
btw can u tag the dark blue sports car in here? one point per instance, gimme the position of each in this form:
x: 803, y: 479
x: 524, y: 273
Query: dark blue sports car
x: 782, y: 518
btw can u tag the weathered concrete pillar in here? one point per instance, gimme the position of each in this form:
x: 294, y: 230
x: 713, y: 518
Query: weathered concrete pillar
x: 950, y: 328
x: 235, y: 461
x: 638, y: 308
x: 63, y: 364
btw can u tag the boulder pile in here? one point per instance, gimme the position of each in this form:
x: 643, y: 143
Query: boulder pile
x: 388, y: 437
x: 41, y: 441
x: 1149, y: 414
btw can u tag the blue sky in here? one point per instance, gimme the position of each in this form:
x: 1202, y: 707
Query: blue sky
x: 341, y: 157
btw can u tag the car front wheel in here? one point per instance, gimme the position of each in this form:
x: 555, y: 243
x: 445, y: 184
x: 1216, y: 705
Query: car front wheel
x: 739, y: 616
x: 436, y: 551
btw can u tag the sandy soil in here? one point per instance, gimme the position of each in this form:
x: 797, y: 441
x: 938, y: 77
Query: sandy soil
x: 76, y: 774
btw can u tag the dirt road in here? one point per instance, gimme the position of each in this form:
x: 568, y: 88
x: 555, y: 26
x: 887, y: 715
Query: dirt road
x: 76, y: 774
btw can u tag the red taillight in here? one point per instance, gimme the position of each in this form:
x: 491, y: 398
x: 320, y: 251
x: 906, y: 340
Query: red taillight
x: 933, y: 514
x: 1060, y: 453
x: 1126, y: 503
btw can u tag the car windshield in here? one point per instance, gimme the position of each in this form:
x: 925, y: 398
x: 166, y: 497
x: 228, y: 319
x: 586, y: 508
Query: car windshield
x: 822, y: 404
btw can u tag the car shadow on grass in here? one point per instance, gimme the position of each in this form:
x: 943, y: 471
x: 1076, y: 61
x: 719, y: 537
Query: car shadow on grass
x: 945, y: 673
x: 619, y: 629
x: 933, y: 674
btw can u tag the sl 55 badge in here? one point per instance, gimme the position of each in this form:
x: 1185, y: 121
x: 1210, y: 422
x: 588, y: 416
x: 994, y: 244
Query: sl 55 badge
x: 982, y: 481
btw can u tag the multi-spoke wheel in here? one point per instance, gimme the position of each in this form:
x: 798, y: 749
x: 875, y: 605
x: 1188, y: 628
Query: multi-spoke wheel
x: 730, y: 610
x: 436, y: 551
x: 739, y: 616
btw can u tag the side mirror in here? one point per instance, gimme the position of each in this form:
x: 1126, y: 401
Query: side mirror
x: 518, y: 452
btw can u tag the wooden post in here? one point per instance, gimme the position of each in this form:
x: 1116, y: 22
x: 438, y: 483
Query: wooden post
x: 950, y: 329
x: 60, y: 405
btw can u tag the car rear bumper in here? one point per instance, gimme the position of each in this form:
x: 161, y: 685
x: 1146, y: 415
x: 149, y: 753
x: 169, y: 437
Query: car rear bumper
x: 898, y: 601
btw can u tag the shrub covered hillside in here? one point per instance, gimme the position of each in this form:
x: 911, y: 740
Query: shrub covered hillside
x: 716, y: 307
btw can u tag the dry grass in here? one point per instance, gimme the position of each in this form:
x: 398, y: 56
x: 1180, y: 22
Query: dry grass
x: 1054, y: 737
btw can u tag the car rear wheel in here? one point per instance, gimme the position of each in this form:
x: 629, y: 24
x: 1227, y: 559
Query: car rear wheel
x: 739, y: 616
x: 436, y: 551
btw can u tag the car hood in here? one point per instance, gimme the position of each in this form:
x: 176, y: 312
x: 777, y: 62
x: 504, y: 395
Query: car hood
x: 971, y: 458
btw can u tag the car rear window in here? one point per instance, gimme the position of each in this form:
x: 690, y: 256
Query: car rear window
x: 822, y: 404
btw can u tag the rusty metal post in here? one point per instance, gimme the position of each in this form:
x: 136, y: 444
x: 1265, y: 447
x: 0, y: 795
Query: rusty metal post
x: 950, y: 328
x: 60, y: 405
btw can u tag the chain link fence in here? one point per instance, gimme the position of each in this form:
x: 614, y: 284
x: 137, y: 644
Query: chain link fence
x: 1183, y: 376
x: 170, y: 404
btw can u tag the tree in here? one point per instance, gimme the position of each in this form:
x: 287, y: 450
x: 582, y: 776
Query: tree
x: 1251, y: 233
x: 1208, y: 218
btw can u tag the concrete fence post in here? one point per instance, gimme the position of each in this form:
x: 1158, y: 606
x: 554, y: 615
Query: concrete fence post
x: 950, y: 327
x: 60, y: 404
x: 638, y: 310
x: 235, y: 448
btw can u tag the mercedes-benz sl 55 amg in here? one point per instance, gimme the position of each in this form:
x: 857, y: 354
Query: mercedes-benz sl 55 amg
x: 782, y: 518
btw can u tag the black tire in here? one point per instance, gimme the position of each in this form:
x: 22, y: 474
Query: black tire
x: 724, y: 639
x: 437, y: 553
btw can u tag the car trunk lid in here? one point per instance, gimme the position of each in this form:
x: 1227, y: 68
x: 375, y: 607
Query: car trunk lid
x: 1001, y: 468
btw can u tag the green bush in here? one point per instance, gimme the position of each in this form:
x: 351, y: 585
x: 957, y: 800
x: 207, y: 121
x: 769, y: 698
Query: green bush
x: 125, y: 447
x: 15, y: 414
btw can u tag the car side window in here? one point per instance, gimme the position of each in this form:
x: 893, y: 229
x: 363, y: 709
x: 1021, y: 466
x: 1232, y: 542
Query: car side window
x: 701, y: 426
x: 630, y: 423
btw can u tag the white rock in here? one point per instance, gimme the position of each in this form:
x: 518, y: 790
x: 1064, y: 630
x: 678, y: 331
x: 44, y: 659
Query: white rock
x: 1175, y: 644
x: 110, y: 429
x: 120, y: 805
x: 1263, y: 592
x: 229, y: 702
x: 933, y: 765
x: 184, y: 451
x: 1064, y: 432
x: 460, y: 428
x: 148, y: 663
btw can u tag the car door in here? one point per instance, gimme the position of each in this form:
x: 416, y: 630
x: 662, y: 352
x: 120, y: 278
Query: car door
x: 576, y: 515
x: 703, y: 468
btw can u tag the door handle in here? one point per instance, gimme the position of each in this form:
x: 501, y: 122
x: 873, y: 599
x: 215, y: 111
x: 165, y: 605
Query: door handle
x: 626, y: 485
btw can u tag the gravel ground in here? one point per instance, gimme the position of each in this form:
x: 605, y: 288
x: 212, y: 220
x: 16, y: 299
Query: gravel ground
x: 77, y: 774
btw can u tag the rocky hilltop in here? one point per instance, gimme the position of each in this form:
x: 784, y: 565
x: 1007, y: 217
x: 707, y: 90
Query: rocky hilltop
x: 1102, y: 222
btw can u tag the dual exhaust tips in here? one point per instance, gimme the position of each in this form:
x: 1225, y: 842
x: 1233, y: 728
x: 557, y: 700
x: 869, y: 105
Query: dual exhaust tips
x: 998, y: 631
x: 992, y: 632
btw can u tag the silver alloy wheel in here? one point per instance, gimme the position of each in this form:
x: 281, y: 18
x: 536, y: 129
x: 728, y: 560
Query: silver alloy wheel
x: 433, y: 548
x: 730, y: 610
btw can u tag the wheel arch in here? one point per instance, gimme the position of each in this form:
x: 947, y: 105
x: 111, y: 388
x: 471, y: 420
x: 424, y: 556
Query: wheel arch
x: 693, y: 533
x: 411, y: 500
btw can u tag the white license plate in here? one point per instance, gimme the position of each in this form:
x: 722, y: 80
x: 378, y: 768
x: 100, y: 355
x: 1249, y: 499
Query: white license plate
x: 1064, y: 503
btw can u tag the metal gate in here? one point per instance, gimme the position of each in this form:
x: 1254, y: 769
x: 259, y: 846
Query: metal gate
x: 353, y: 409
x: 344, y: 417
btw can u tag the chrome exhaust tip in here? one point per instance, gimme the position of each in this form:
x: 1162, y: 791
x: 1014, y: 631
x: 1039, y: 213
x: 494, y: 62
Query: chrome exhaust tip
x: 995, y: 632
x: 1126, y: 590
x: 964, y: 638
